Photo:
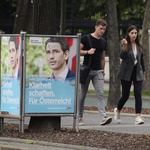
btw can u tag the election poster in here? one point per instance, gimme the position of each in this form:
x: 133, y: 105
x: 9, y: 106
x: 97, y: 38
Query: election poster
x: 50, y: 74
x: 10, y: 75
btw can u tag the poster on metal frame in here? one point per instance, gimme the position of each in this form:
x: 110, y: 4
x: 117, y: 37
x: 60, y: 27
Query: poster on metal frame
x: 50, y: 74
x: 10, y: 75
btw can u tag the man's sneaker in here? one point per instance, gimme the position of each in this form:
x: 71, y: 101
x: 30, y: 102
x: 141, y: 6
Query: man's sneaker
x: 106, y: 121
x: 81, y: 122
x: 117, y: 116
x: 138, y: 120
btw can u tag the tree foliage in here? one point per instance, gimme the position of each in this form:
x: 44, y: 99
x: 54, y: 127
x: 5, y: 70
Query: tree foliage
x: 87, y: 9
x: 7, y: 9
x: 82, y: 10
x: 131, y: 10
x: 95, y: 9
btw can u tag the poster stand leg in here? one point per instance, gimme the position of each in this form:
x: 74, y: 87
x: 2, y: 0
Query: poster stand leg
x: 77, y: 124
x: 74, y: 123
x: 21, y: 128
x: 1, y: 124
x: 20, y: 125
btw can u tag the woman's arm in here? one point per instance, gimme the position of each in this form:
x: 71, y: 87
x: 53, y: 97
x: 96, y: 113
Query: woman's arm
x: 123, y: 53
x: 123, y: 49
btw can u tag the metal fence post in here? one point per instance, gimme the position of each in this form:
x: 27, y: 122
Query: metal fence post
x: 22, y: 95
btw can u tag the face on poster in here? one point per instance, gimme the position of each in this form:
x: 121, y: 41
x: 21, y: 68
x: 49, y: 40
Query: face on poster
x: 50, y: 75
x: 10, y: 75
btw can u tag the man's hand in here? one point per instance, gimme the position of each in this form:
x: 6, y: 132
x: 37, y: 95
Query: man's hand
x: 91, y: 51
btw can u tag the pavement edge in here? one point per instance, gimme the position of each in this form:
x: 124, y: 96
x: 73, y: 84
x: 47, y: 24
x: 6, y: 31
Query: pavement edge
x: 112, y: 114
x: 42, y: 143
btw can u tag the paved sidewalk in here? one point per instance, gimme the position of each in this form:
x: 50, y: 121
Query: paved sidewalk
x: 127, y: 125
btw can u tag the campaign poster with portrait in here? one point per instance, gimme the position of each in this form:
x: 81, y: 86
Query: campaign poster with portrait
x: 10, y: 75
x: 50, y: 74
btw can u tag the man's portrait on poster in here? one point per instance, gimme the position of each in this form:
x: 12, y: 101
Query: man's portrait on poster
x: 14, y: 57
x: 57, y: 55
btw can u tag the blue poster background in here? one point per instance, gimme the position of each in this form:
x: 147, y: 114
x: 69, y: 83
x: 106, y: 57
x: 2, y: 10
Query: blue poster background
x: 10, y: 96
x: 49, y: 96
x: 10, y: 87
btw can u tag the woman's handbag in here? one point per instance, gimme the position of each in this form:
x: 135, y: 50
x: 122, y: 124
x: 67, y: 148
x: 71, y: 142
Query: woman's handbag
x: 84, y: 70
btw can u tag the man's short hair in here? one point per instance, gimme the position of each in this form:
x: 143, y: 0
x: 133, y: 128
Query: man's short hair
x: 101, y: 22
x: 63, y: 43
x: 14, y: 39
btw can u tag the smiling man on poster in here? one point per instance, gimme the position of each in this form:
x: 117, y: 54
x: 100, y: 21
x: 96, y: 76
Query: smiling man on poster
x: 57, y: 55
x: 10, y: 84
x: 13, y: 57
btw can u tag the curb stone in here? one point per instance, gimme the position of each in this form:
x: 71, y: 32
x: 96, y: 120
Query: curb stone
x: 112, y: 114
x: 6, y: 146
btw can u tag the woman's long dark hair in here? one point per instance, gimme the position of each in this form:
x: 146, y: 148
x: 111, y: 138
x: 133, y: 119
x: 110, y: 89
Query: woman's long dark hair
x: 129, y: 47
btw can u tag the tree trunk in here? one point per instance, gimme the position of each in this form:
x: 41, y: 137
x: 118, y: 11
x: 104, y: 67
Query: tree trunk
x: 44, y: 20
x: 113, y: 49
x: 24, y: 17
x: 145, y: 41
x: 38, y: 17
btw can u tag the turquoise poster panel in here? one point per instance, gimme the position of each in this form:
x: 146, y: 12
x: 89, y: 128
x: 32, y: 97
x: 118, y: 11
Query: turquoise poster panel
x: 50, y: 75
x: 10, y: 75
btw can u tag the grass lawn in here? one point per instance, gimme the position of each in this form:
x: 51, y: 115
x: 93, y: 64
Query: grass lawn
x: 144, y: 94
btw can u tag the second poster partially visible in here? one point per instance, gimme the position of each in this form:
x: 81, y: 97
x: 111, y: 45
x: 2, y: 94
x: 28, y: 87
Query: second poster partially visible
x: 10, y: 75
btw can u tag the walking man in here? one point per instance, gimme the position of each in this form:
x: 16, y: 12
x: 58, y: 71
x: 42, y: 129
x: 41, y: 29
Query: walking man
x: 97, y: 69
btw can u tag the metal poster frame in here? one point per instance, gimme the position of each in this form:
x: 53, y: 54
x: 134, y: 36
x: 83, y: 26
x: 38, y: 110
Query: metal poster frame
x: 2, y: 116
x: 22, y: 115
x: 74, y: 115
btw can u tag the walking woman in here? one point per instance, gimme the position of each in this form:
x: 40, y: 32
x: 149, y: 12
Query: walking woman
x: 132, y: 69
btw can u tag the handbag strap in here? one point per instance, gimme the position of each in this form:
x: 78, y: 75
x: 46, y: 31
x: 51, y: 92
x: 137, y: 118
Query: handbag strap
x: 90, y: 59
